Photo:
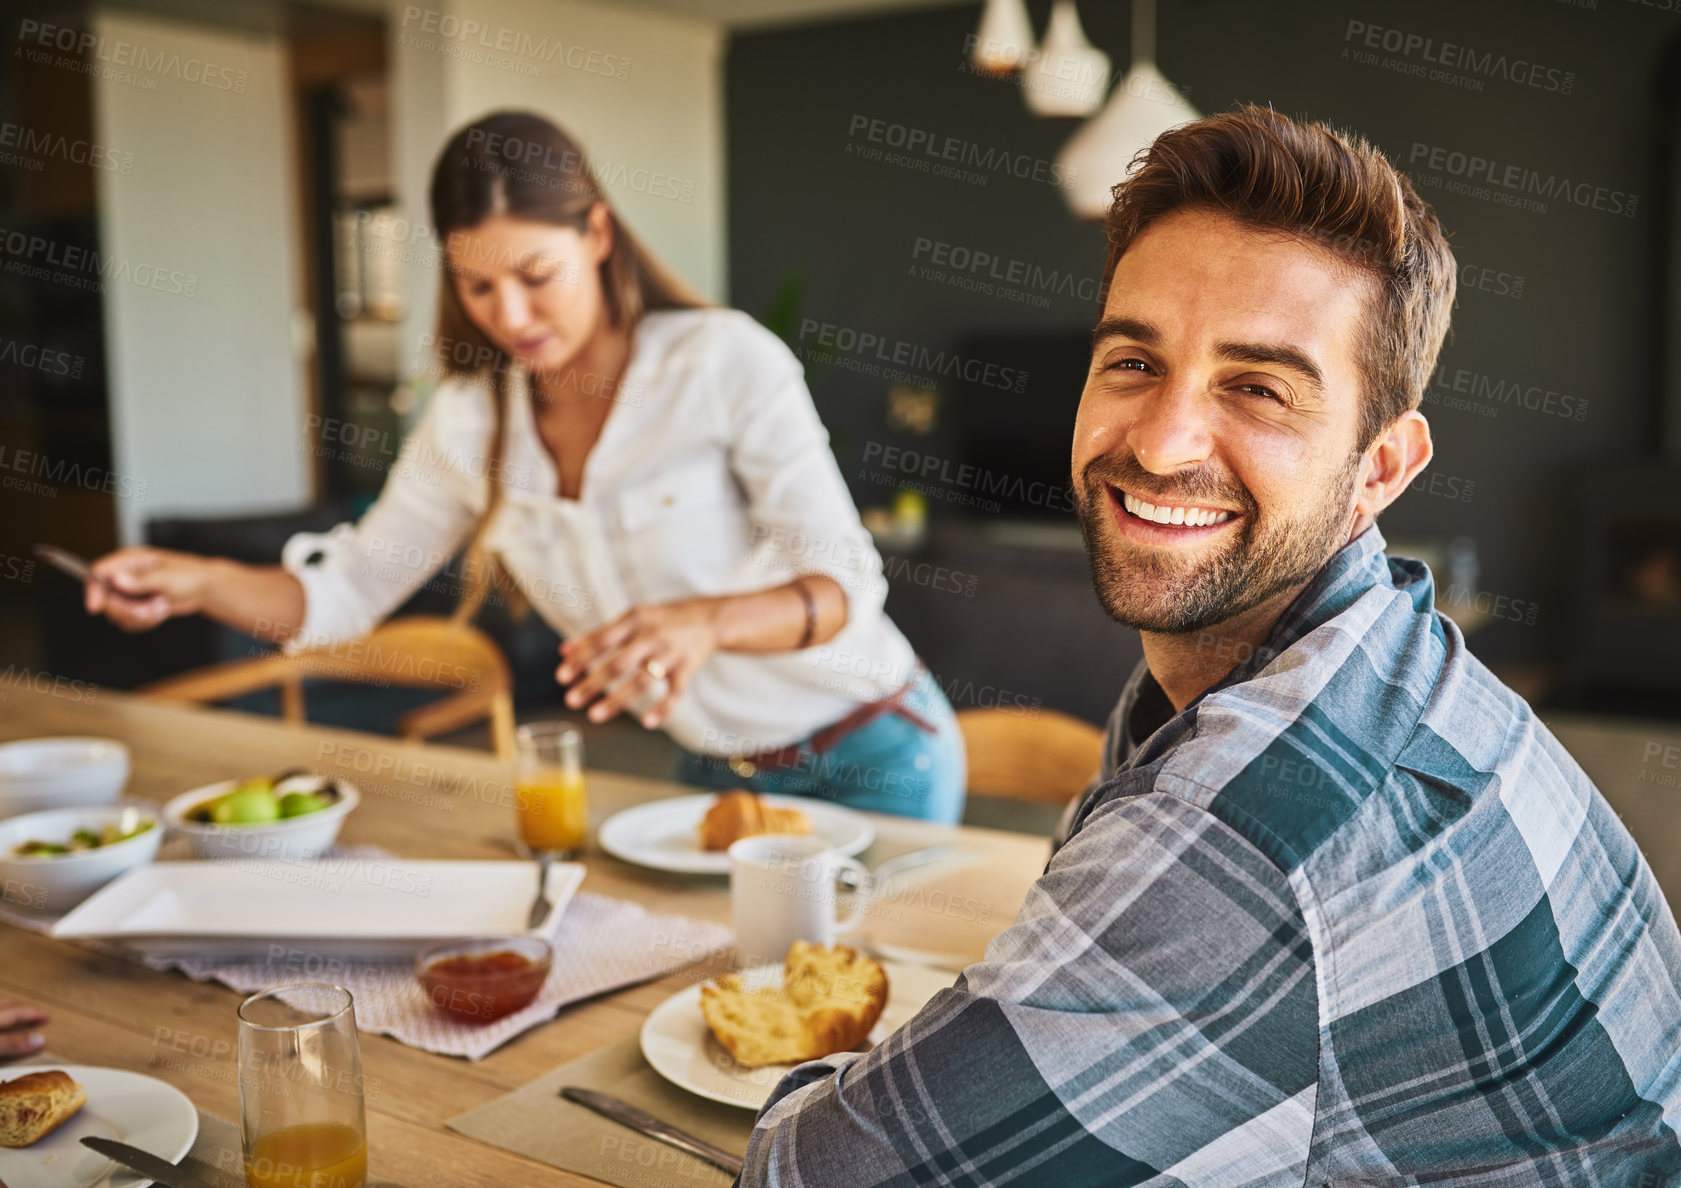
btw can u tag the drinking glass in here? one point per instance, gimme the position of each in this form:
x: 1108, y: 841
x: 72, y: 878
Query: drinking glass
x: 549, y: 803
x: 300, y: 1089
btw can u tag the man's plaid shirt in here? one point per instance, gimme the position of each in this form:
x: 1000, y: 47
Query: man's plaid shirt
x: 1353, y: 917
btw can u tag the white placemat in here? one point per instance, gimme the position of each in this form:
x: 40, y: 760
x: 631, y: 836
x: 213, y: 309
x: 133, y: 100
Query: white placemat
x: 601, y: 944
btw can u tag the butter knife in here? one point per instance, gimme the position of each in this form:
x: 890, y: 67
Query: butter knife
x: 643, y: 1122
x: 151, y: 1166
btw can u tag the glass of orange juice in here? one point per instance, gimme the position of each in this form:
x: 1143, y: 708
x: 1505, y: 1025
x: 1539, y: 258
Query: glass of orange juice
x: 300, y: 1089
x: 549, y: 803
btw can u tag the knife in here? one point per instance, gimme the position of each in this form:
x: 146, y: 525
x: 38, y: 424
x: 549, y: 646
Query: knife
x: 151, y: 1166
x: 643, y: 1122
x: 74, y: 566
x: 908, y: 861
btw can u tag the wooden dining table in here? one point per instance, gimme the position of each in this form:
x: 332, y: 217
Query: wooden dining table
x: 421, y: 802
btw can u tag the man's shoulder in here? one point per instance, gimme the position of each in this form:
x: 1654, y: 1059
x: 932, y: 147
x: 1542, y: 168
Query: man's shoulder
x: 1294, y: 752
x: 1373, y: 736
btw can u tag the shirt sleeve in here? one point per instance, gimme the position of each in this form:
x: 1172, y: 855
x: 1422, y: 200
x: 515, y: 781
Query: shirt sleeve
x: 1152, y: 1009
x: 358, y: 573
x: 802, y: 514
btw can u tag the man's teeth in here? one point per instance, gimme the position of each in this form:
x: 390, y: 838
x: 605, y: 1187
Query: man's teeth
x: 1195, y: 517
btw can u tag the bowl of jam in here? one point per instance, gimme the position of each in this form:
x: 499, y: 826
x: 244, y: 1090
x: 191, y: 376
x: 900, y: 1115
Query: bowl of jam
x: 481, y: 979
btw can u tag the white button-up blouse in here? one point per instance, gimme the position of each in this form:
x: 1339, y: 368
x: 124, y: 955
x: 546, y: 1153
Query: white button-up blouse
x: 712, y: 475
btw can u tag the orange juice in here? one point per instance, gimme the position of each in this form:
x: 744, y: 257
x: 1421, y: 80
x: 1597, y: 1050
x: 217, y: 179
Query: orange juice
x: 312, y: 1155
x: 551, y: 809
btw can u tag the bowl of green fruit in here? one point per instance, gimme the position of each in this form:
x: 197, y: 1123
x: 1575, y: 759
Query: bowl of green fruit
x: 52, y: 860
x: 291, y: 815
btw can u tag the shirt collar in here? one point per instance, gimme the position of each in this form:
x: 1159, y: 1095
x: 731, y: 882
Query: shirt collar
x: 1352, y: 570
x: 1356, y: 568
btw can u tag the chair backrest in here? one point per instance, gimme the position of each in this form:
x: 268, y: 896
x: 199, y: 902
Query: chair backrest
x: 418, y: 651
x: 1043, y: 756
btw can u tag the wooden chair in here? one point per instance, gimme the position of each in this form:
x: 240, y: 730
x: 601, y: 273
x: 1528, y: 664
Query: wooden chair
x: 417, y: 651
x: 1044, y: 756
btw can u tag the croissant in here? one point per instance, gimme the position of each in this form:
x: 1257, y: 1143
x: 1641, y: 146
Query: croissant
x: 735, y: 815
x: 829, y: 1000
x: 32, y: 1105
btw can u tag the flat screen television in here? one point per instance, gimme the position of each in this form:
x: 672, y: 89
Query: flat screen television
x: 1019, y: 441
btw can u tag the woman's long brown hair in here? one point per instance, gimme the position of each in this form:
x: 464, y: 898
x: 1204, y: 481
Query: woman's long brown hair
x: 519, y: 164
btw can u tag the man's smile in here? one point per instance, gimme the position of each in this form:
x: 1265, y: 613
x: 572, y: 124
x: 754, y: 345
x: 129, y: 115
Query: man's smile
x: 1157, y: 523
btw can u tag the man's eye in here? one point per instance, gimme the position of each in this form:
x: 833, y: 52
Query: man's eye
x: 1125, y: 365
x: 1262, y: 390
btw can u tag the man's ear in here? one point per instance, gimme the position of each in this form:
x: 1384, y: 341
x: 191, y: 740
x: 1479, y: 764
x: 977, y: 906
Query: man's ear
x: 1392, y: 462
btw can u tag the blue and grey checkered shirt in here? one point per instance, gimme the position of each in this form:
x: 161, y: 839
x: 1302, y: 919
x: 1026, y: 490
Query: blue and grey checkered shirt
x: 1353, y: 917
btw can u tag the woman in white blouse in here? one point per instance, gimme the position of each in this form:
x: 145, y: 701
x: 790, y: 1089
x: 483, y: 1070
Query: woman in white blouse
x: 651, y: 475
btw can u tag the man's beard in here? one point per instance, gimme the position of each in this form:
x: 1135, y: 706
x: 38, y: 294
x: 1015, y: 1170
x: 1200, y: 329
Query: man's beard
x: 1153, y: 590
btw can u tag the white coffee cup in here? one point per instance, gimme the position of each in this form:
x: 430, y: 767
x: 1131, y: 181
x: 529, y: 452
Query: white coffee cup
x: 782, y: 889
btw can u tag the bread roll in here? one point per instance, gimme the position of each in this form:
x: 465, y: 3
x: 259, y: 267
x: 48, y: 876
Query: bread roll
x: 829, y: 1000
x: 32, y: 1105
x: 735, y: 815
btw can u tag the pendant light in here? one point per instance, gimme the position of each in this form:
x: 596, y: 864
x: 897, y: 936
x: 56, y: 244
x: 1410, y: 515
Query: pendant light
x: 1143, y: 106
x: 1071, y: 73
x: 1004, y: 39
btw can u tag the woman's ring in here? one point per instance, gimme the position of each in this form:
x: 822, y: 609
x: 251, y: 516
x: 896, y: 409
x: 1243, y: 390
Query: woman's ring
x: 654, y: 669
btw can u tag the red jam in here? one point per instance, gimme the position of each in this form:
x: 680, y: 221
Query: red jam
x: 483, y: 986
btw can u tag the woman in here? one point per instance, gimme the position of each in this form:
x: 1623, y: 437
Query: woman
x: 652, y: 477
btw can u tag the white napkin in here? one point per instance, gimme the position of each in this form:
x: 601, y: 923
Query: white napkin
x: 602, y: 944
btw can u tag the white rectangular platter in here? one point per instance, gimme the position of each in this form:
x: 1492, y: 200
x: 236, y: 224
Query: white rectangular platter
x: 356, y: 907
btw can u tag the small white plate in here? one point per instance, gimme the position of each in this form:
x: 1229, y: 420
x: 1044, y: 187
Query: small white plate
x: 355, y: 906
x: 665, y: 834
x: 679, y: 1045
x: 127, y: 1106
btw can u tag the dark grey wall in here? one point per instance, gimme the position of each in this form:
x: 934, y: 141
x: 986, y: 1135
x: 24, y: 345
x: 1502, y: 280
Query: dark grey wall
x: 802, y: 205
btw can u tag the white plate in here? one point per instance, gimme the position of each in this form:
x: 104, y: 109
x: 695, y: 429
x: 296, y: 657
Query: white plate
x: 680, y: 1046
x: 353, y: 906
x: 664, y: 834
x: 139, y: 1110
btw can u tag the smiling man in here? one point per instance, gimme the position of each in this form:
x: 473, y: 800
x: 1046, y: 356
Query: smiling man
x: 1343, y: 912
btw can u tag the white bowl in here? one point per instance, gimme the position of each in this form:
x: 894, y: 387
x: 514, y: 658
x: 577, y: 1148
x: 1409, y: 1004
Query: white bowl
x: 49, y: 773
x: 308, y: 836
x: 58, y: 883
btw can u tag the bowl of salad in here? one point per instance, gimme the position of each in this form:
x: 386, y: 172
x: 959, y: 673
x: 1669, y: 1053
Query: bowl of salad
x: 293, y: 815
x: 50, y: 861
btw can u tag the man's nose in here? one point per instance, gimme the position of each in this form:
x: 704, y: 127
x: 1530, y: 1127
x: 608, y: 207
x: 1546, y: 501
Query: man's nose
x: 1172, y: 429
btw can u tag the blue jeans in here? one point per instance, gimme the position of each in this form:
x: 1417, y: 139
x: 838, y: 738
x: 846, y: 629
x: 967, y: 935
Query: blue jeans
x: 887, y: 766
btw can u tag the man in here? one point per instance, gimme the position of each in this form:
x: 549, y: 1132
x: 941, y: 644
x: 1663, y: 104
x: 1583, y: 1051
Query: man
x: 1343, y: 912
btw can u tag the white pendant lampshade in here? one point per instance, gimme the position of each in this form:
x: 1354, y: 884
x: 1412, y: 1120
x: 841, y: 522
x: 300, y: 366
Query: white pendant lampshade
x: 1143, y: 106
x: 1071, y: 73
x: 1004, y: 39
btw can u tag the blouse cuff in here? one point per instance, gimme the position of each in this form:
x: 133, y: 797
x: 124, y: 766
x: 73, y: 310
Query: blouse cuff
x: 315, y: 559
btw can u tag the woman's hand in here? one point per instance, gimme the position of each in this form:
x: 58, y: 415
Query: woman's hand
x: 678, y: 635
x: 150, y: 585
x: 20, y: 1029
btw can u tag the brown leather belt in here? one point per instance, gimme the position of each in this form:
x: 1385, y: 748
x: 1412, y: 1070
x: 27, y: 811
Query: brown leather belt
x: 746, y: 766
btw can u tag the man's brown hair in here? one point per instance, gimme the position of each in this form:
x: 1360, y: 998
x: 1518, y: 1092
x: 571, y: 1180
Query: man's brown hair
x: 1325, y: 188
